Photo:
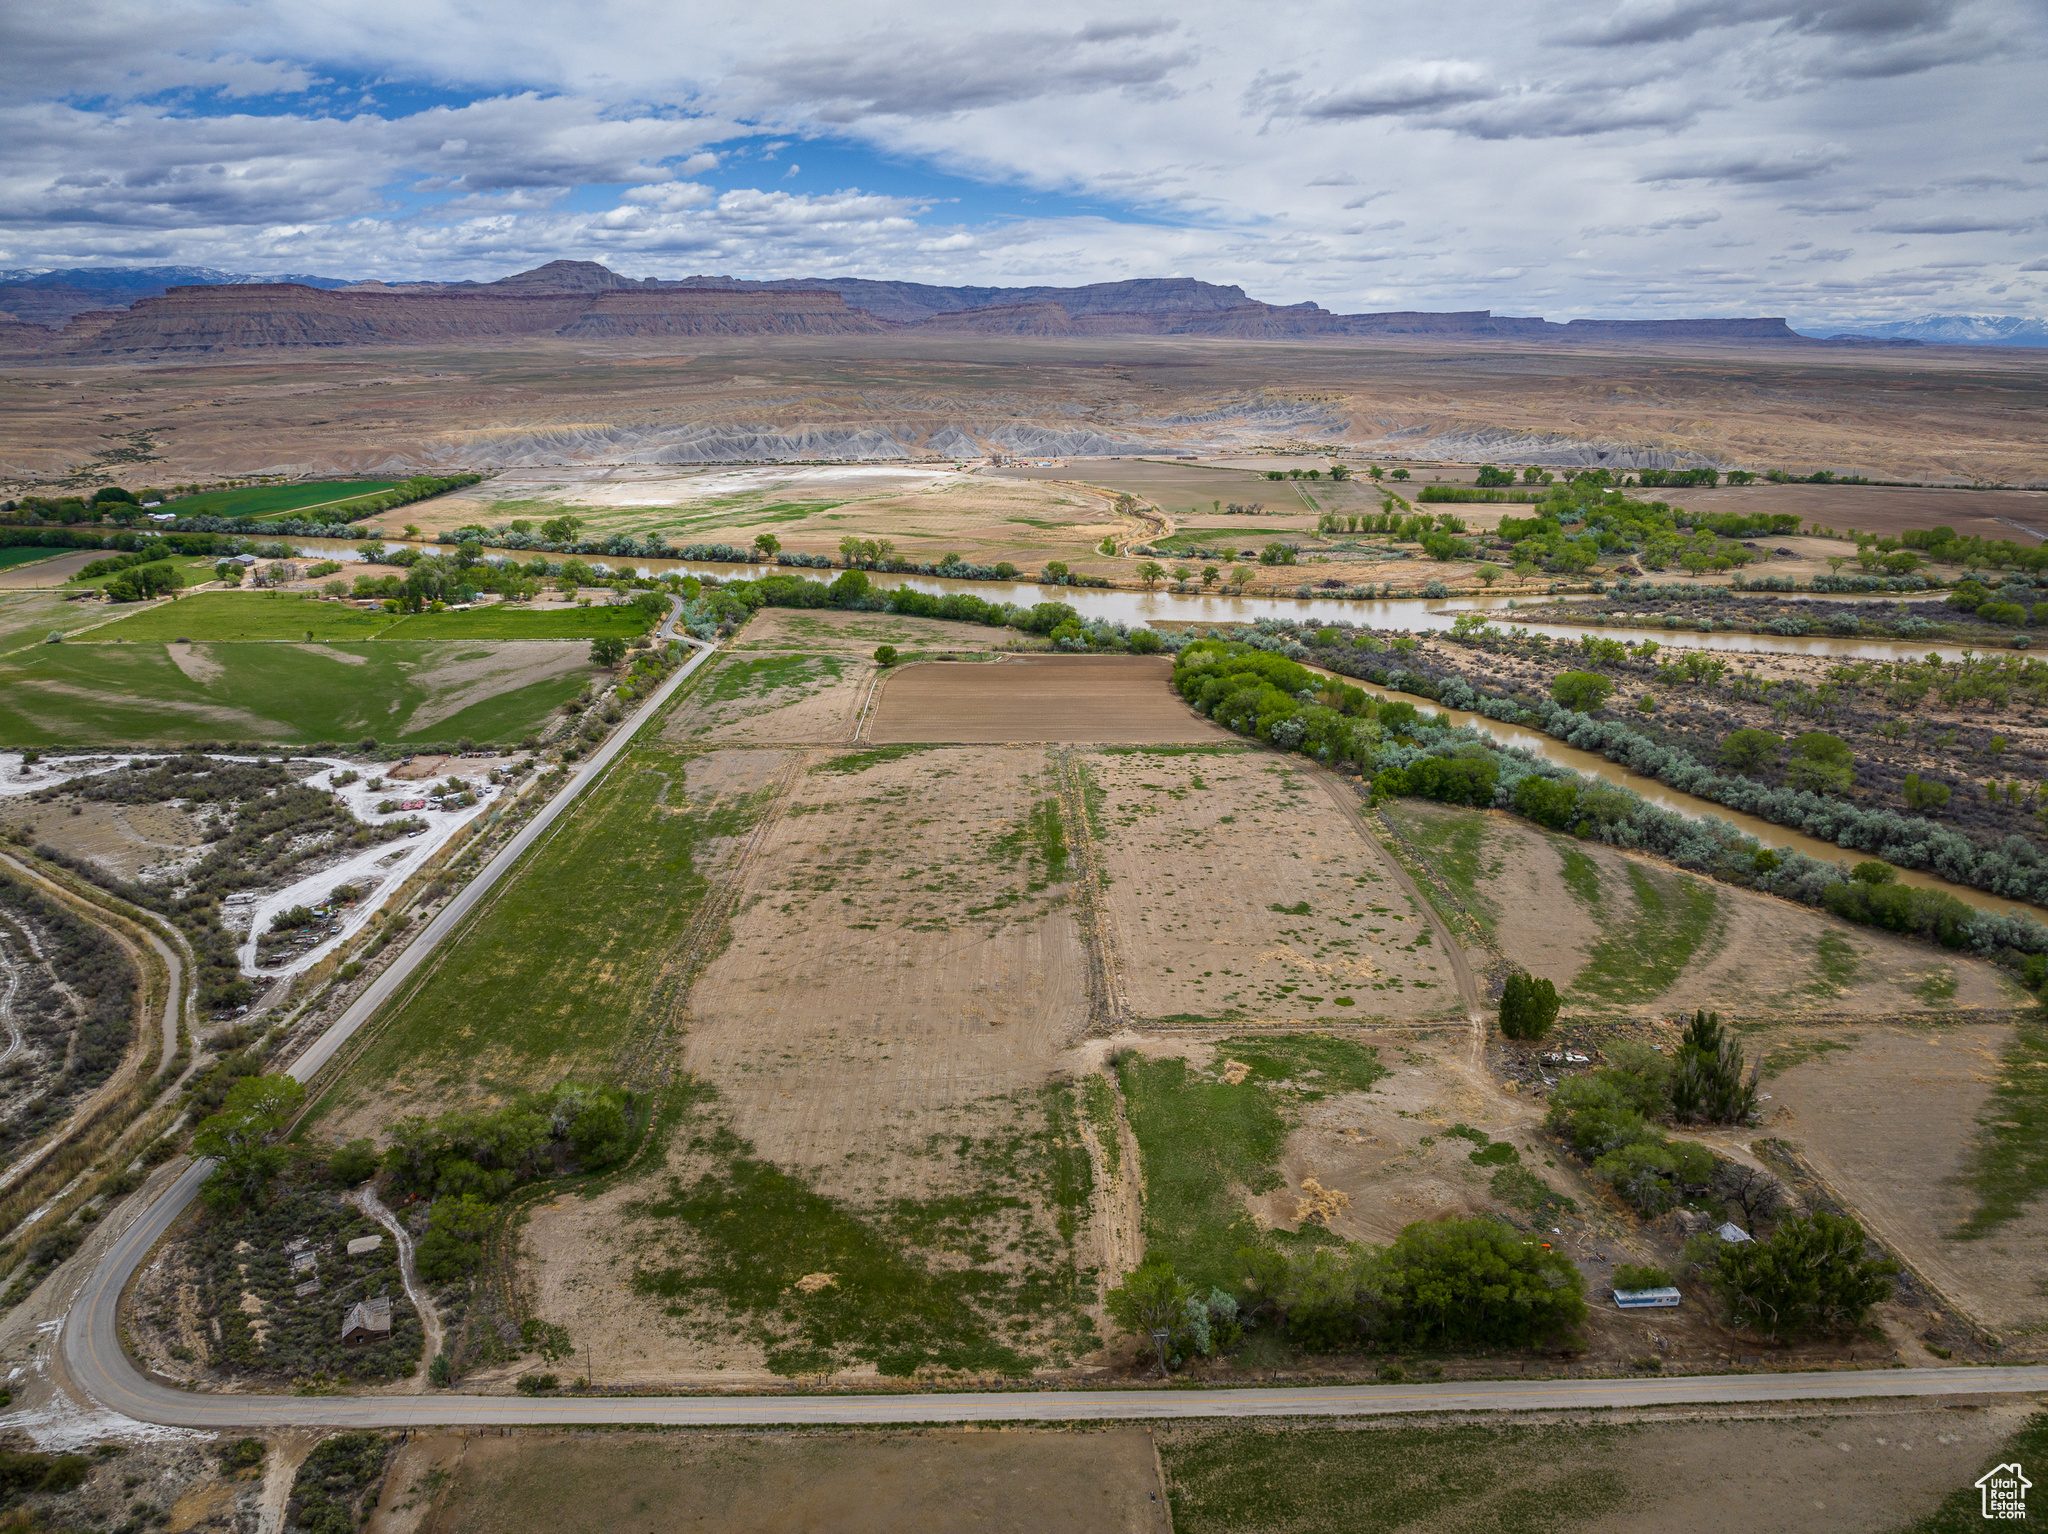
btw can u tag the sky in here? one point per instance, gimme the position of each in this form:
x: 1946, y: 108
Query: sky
x: 1840, y: 158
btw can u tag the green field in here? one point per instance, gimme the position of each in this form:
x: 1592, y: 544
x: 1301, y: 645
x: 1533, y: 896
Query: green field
x: 9, y: 558
x: 138, y: 695
x: 282, y: 617
x: 268, y: 500
x: 569, y: 964
x: 191, y: 572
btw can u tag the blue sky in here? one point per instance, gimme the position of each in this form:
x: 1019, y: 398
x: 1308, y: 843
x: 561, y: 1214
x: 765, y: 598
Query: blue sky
x: 1836, y: 158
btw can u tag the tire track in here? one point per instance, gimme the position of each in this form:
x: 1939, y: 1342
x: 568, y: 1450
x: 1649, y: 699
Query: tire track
x: 1108, y: 1001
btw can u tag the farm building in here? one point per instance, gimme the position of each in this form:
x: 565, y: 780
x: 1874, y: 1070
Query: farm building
x: 369, y: 1321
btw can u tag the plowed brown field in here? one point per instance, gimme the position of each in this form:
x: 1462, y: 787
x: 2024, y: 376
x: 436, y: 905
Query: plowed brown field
x: 1105, y: 700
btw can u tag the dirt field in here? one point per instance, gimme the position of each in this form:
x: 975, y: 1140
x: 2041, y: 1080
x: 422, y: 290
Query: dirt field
x: 1627, y: 935
x: 1882, y: 509
x: 1858, y: 1470
x: 1110, y: 700
x: 1237, y: 890
x: 1890, y: 1122
x: 54, y: 571
x: 123, y: 839
x: 1090, y: 1481
x: 927, y: 895
x: 802, y: 676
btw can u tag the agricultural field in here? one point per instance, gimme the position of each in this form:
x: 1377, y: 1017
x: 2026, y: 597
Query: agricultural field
x: 1056, y: 698
x: 255, y: 615
x: 916, y: 1189
x: 1236, y: 890
x: 926, y: 513
x: 160, y: 694
x: 1623, y: 935
x: 571, y: 966
x: 270, y: 500
x: 1091, y: 1481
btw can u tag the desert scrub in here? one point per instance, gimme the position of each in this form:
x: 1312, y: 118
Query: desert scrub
x: 257, y: 1325
x: 982, y: 1280
x: 1205, y: 1142
x: 336, y: 1487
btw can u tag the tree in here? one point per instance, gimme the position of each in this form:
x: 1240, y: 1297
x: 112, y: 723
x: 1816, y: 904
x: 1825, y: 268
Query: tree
x: 1400, y: 474
x: 1924, y: 793
x: 1241, y: 576
x: 1340, y: 472
x: 1488, y: 574
x: 1522, y: 571
x: 453, y: 1244
x: 1149, y: 572
x: 1755, y: 1193
x: 1707, y: 1077
x: 1821, y: 762
x: 1750, y: 750
x: 849, y: 550
x: 1580, y: 691
x: 1153, y: 1298
x: 1181, y: 574
x: 547, y: 1338
x: 768, y: 544
x: 1528, y: 1006
x: 1209, y: 575
x: 1815, y: 1274
x: 353, y: 1163
x: 1376, y: 472
x: 241, y: 1138
x: 607, y: 650
x: 560, y: 529
x: 1479, y: 1283
x: 1547, y: 801
x: 885, y: 655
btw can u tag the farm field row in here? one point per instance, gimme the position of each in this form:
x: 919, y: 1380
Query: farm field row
x: 156, y: 694
x: 256, y: 616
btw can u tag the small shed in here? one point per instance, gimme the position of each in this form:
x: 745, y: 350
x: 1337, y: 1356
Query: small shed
x: 369, y: 1321
x: 1733, y: 1234
x: 1645, y: 1299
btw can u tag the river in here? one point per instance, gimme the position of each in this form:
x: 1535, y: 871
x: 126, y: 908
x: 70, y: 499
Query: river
x: 1144, y: 607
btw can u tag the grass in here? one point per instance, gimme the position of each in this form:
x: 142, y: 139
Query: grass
x: 1836, y: 962
x: 1450, y: 1478
x: 280, y: 617
x: 1454, y: 845
x: 861, y: 761
x: 268, y: 500
x: 739, y: 677
x: 78, y: 694
x: 574, y: 960
x: 1962, y: 1511
x: 1582, y: 878
x: 1205, y: 1144
x: 1796, y: 1052
x: 1673, y: 919
x: 9, y: 558
x: 190, y: 572
x: 1099, y: 1098
x: 2009, y: 1167
x: 751, y: 1231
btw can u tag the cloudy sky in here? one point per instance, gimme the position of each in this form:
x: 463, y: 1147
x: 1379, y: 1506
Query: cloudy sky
x: 1837, y: 158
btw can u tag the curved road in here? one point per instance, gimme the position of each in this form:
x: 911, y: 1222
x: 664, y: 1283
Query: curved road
x: 97, y: 1365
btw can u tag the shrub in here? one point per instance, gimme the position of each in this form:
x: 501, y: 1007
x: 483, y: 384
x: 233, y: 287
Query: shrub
x: 1528, y: 1006
x: 1478, y: 1283
x: 1637, y: 1276
x: 353, y: 1163
x: 1581, y: 691
x: 1547, y: 801
x: 1750, y: 750
x: 1924, y: 793
x: 453, y: 1244
x: 885, y: 655
x: 538, y: 1384
x: 1706, y: 1078
x: 1815, y: 1274
x: 1821, y: 762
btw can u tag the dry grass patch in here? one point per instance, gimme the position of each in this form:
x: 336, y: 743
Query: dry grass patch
x: 1622, y: 933
x: 1100, y: 699
x: 872, y: 1057
x: 1016, y: 1481
x: 1235, y: 889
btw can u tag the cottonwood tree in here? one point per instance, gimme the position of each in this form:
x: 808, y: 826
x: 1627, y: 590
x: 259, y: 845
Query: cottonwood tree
x: 1149, y: 572
x: 1752, y: 1190
x: 1815, y: 1274
x: 242, y: 1138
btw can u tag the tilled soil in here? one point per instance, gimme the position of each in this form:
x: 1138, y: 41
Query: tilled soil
x: 1105, y: 699
x: 1235, y: 890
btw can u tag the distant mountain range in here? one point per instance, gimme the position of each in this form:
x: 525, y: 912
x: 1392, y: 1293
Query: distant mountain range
x: 1937, y: 330
x: 160, y: 310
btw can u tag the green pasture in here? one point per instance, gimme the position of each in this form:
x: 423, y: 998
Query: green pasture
x: 191, y: 572
x: 269, y: 500
x: 138, y: 695
x: 281, y: 616
x: 9, y: 558
x: 575, y: 957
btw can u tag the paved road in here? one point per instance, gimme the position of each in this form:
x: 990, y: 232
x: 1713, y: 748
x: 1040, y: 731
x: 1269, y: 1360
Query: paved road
x: 96, y: 1364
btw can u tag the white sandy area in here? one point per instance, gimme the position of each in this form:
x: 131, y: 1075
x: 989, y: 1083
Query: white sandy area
x: 654, y: 485
x: 381, y: 867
